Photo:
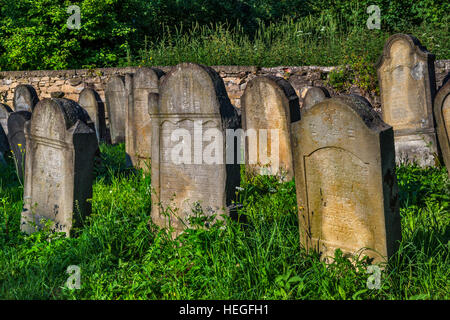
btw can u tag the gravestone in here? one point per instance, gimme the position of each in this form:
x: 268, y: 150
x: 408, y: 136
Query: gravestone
x: 344, y: 163
x: 144, y: 89
x: 4, y: 146
x: 59, y: 165
x: 16, y: 138
x: 5, y: 111
x: 269, y: 104
x: 116, y: 101
x: 90, y: 100
x: 407, y: 85
x: 25, y: 98
x: 189, y: 165
x: 313, y: 96
x: 442, y: 116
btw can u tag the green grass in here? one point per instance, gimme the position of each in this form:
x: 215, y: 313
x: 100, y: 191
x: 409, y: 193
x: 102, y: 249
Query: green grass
x: 325, y: 40
x: 121, y: 256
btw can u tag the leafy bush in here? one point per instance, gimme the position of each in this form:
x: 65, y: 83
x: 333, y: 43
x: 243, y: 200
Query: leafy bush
x: 34, y: 34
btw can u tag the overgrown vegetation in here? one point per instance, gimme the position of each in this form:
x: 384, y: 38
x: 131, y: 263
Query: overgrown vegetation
x: 34, y: 35
x: 121, y: 256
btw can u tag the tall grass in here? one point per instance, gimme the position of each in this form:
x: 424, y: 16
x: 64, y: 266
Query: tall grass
x: 326, y: 40
x: 122, y: 256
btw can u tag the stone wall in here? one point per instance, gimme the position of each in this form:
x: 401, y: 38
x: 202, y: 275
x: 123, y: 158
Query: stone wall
x: 71, y: 82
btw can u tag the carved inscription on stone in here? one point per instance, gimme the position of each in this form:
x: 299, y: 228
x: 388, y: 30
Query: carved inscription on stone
x: 407, y: 84
x: 269, y: 104
x: 344, y: 164
x: 144, y: 88
x: 60, y: 148
x: 192, y: 105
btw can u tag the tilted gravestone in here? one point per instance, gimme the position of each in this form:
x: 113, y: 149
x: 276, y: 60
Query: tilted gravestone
x: 407, y: 85
x: 344, y: 163
x: 5, y: 111
x: 144, y: 89
x: 59, y: 165
x: 189, y: 165
x: 116, y: 101
x: 4, y: 146
x: 313, y: 96
x: 442, y: 116
x: 16, y: 138
x: 269, y: 105
x: 90, y: 100
x: 25, y: 98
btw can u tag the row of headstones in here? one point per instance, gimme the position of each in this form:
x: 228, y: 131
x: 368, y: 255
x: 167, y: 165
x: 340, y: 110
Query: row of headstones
x: 340, y: 151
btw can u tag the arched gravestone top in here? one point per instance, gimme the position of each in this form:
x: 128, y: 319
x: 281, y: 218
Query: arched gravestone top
x: 143, y: 90
x: 16, y: 137
x: 206, y: 82
x: 192, y: 99
x: 56, y: 115
x: 407, y: 85
x: 25, y: 98
x: 313, y: 96
x: 116, y: 101
x: 344, y: 162
x: 269, y: 103
x: 5, y: 110
x: 90, y: 100
x: 442, y: 116
x: 60, y: 149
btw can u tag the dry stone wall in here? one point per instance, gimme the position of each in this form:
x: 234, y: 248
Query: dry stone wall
x: 72, y: 82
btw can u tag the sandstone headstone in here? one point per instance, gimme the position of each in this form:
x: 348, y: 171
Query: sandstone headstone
x: 442, y: 116
x: 5, y: 111
x: 407, y: 84
x: 344, y: 163
x: 189, y: 165
x: 144, y: 90
x: 16, y: 137
x: 90, y: 100
x: 313, y: 96
x: 269, y: 104
x: 25, y: 98
x: 116, y: 101
x: 59, y: 165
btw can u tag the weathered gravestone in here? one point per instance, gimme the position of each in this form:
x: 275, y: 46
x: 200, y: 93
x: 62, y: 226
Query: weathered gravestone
x: 58, y: 172
x: 269, y: 105
x: 344, y: 162
x: 407, y: 84
x: 16, y: 137
x: 90, y: 100
x: 189, y: 165
x: 116, y: 101
x: 442, y: 116
x: 144, y: 89
x: 25, y: 98
x: 5, y: 111
x: 4, y: 146
x: 313, y: 96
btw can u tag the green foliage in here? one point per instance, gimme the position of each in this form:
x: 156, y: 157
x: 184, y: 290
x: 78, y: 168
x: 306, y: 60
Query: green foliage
x: 122, y: 256
x: 34, y: 34
x: 358, y: 72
